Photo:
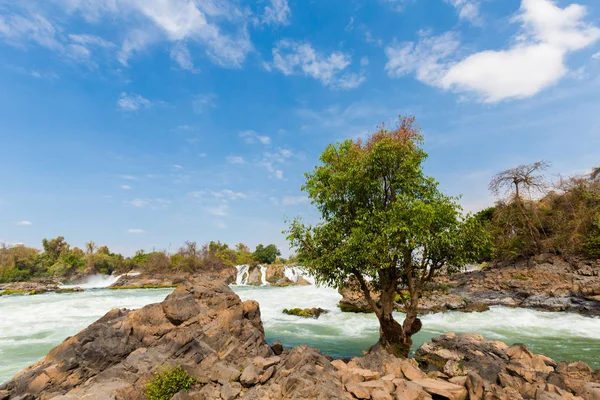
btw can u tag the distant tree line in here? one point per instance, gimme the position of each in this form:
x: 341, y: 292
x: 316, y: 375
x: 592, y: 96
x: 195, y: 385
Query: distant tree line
x: 58, y: 259
x: 534, y: 216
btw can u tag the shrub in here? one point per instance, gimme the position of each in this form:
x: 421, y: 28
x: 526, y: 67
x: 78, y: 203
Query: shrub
x: 168, y: 382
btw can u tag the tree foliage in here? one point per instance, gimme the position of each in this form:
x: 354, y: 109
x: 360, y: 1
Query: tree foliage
x: 385, y: 223
x: 266, y: 254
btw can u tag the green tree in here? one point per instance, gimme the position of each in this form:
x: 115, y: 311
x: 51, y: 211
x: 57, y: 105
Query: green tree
x: 384, y: 223
x: 266, y: 255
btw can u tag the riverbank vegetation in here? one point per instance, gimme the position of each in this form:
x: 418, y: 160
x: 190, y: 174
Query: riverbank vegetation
x: 59, y: 260
x: 534, y: 215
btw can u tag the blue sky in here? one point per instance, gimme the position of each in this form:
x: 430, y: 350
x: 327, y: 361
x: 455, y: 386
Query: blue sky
x: 145, y: 123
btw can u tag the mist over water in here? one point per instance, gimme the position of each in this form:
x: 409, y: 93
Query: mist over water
x: 32, y: 325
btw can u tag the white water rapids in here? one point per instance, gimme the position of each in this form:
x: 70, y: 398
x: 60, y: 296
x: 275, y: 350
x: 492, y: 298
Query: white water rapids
x: 32, y: 325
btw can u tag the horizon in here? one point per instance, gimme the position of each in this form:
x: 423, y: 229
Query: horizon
x: 141, y: 125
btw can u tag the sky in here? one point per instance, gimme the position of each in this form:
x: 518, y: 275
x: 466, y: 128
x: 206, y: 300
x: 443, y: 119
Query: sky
x: 146, y: 123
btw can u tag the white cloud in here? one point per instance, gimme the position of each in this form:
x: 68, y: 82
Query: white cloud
x: 271, y: 159
x: 202, y: 155
x: 220, y: 211
x: 90, y: 40
x: 151, y: 203
x: 125, y: 187
x: 364, y: 61
x: 217, y: 25
x: 136, y: 230
x: 294, y: 58
x: 24, y: 223
x: 278, y: 12
x: 423, y: 58
x: 133, y: 102
x: 251, y: 137
x: 229, y: 194
x: 182, y: 57
x: 534, y: 62
x: 235, y: 160
x: 128, y: 177
x: 204, y: 102
x: 467, y: 10
x: 18, y: 30
x: 294, y: 200
x: 596, y: 56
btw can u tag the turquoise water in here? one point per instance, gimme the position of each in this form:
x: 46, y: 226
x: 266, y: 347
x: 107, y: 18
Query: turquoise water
x: 32, y: 325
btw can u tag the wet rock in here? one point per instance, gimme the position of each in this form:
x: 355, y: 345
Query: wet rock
x: 277, y: 347
x: 306, y: 312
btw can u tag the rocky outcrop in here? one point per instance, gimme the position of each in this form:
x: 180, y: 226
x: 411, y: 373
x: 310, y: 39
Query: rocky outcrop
x: 202, y: 326
x: 152, y: 280
x: 494, y: 370
x: 31, y: 288
x: 546, y: 282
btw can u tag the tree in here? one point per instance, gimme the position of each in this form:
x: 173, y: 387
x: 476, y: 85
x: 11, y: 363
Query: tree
x: 516, y: 180
x: 54, y: 248
x: 266, y: 255
x: 384, y: 223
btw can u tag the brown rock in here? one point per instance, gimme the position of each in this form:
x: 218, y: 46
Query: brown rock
x: 406, y: 390
x: 474, y: 386
x: 231, y: 390
x: 251, y: 375
x: 364, y: 390
x: 412, y: 373
x: 441, y: 388
x: 381, y: 395
x: 366, y: 374
x: 591, y: 391
x: 340, y: 365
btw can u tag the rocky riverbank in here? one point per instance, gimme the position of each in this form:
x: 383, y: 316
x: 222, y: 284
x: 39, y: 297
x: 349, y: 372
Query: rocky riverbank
x: 219, y: 341
x: 547, y: 283
x: 37, y: 287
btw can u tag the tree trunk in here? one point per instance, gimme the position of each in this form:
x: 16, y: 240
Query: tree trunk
x: 393, y: 337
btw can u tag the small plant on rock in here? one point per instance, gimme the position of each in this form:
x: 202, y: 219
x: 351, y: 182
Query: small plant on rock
x: 167, y: 382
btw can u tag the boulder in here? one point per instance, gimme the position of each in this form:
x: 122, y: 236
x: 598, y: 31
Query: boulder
x: 202, y: 325
x: 306, y: 312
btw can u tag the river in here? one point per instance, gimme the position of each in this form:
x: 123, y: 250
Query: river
x: 32, y: 325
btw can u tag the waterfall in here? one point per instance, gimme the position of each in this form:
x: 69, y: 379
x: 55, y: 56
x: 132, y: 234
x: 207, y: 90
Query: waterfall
x: 242, y: 274
x: 295, y: 272
x: 263, y: 276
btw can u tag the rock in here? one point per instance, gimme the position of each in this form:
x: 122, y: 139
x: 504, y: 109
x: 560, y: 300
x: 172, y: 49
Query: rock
x: 381, y: 395
x: 411, y: 372
x: 181, y: 395
x: 340, y: 365
x: 303, y: 282
x: 251, y: 375
x: 591, y: 391
x: 474, y: 386
x: 283, y: 282
x: 231, y: 390
x: 306, y: 312
x: 364, y: 390
x: 255, y: 277
x: 441, y: 388
x: 4, y: 395
x: 277, y: 347
x: 365, y: 374
x: 406, y: 390
x: 203, y: 321
x: 267, y: 374
x: 274, y: 273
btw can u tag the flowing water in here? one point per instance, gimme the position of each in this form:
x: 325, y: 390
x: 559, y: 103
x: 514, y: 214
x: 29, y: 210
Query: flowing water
x: 32, y: 325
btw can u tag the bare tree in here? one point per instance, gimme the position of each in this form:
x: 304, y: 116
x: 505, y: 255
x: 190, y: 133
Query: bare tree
x: 595, y: 174
x: 514, y: 181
